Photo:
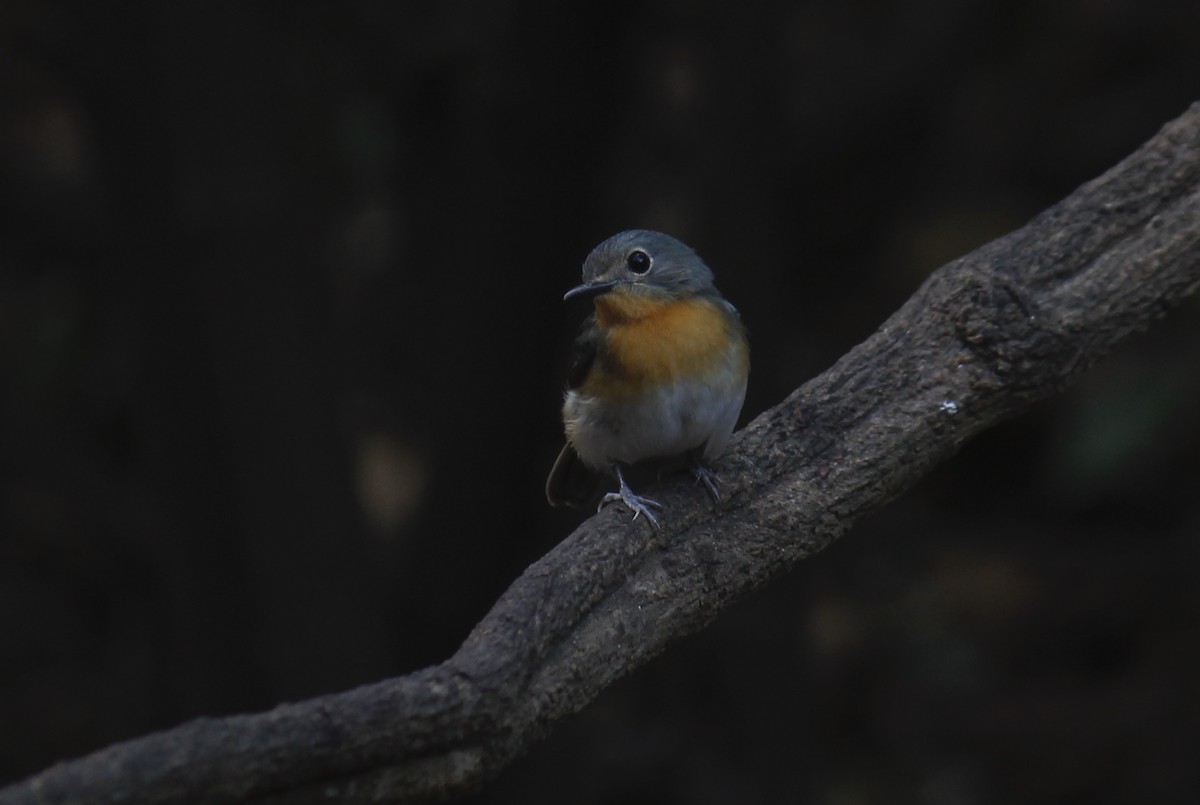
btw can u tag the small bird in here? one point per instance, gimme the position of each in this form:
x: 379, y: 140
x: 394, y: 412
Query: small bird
x: 658, y: 372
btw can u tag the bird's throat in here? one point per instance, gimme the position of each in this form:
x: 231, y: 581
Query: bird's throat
x: 623, y: 307
x: 651, y: 341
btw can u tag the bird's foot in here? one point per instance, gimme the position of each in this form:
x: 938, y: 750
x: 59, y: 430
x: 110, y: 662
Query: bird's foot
x: 637, y: 503
x: 709, y: 479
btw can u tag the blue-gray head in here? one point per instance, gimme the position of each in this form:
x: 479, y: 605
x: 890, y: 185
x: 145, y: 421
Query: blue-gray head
x: 642, y: 261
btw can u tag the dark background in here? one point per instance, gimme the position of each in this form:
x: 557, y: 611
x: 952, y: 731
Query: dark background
x: 282, y: 349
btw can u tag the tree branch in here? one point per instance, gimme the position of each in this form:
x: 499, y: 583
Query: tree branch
x: 986, y: 335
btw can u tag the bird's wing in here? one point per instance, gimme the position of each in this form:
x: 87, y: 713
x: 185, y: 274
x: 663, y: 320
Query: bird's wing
x: 571, y: 483
x: 583, y: 352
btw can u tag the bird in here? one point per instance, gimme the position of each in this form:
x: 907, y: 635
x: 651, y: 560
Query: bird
x: 657, y: 373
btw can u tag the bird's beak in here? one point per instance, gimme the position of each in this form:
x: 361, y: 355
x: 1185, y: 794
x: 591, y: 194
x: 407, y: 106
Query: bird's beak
x: 592, y: 289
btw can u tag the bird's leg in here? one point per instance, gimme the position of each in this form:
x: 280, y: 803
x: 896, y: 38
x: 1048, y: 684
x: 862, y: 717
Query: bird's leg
x: 640, y: 505
x: 708, y: 478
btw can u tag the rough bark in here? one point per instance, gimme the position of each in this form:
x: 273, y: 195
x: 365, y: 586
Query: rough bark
x: 985, y: 336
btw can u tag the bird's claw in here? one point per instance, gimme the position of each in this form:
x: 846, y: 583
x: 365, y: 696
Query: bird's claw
x: 637, y: 503
x: 709, y: 479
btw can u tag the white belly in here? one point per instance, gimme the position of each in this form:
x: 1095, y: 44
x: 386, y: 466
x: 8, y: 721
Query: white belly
x: 682, y: 416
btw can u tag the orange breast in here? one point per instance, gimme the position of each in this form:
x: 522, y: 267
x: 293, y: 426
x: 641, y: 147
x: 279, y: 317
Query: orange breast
x: 652, y: 341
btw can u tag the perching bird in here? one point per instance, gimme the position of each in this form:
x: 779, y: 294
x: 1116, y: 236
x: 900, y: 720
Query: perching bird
x: 658, y: 372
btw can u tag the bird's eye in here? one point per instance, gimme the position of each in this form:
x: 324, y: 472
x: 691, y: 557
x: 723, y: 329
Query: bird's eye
x: 638, y: 261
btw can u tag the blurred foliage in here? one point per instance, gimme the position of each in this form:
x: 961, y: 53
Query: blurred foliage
x: 281, y: 351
